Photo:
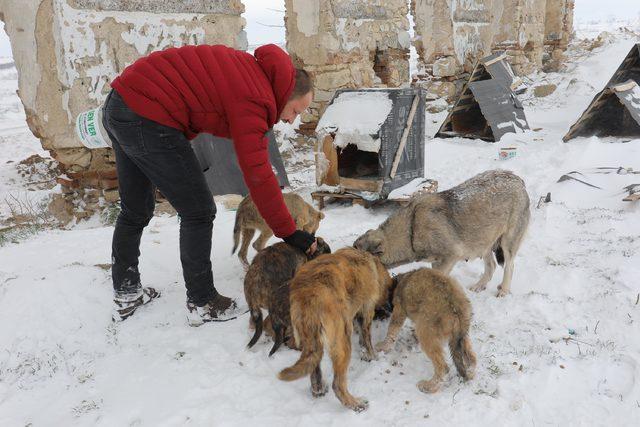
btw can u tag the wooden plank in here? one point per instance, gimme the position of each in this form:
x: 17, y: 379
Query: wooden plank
x: 623, y: 87
x: 331, y: 154
x: 405, y: 135
x: 321, y: 173
x: 462, y: 108
x: 494, y: 60
x: 326, y: 175
x: 361, y: 184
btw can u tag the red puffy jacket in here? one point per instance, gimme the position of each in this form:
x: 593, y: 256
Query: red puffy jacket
x: 226, y: 92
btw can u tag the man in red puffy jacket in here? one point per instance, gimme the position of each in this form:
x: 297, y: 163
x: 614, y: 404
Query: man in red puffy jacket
x: 157, y: 105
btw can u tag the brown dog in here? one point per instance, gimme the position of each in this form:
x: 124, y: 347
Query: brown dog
x: 326, y: 295
x: 441, y: 313
x: 266, y: 286
x: 248, y: 220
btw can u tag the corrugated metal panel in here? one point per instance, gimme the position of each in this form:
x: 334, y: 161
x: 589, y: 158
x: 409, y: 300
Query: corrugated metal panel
x: 500, y: 107
x: 219, y: 163
x: 631, y: 100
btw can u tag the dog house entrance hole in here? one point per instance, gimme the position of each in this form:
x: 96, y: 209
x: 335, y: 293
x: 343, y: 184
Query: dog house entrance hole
x: 354, y: 163
x: 471, y: 122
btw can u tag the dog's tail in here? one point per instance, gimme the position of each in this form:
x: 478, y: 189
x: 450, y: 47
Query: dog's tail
x: 236, y: 233
x: 256, y: 317
x: 463, y: 356
x: 497, y: 250
x: 308, y: 331
x: 460, y: 344
x: 278, y: 333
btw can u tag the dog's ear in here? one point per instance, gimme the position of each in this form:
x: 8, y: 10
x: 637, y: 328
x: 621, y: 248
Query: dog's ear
x: 367, y: 241
x: 372, y: 242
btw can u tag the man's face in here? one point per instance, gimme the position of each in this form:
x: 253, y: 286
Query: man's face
x: 295, y: 106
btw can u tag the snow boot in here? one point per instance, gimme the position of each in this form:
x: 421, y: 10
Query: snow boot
x: 126, y: 305
x: 218, y: 309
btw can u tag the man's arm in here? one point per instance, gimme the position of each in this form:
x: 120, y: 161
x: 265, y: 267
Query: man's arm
x: 248, y: 128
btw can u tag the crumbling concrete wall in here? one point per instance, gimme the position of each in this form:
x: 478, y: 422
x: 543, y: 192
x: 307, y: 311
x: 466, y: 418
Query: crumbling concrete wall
x: 347, y: 44
x: 67, y: 52
x: 558, y: 31
x: 449, y: 36
x: 521, y: 34
x: 452, y: 34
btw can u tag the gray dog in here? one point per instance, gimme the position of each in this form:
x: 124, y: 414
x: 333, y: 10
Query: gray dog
x: 486, y: 214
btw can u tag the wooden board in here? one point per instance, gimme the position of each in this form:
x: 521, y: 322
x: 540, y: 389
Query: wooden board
x: 326, y: 175
x: 331, y: 155
x: 405, y: 135
x: 431, y: 186
x: 361, y: 184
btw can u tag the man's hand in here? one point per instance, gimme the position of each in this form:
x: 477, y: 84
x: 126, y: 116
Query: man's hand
x: 302, y: 240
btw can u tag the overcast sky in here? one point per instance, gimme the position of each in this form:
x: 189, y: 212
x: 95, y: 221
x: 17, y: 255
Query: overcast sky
x: 262, y: 14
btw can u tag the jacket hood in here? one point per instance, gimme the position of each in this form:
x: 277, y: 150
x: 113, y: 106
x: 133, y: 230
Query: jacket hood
x: 277, y: 66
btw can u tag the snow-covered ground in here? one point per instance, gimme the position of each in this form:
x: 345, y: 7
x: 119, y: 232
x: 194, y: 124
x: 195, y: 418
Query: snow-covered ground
x: 563, y: 349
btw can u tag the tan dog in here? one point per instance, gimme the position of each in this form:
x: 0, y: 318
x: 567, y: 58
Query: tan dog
x: 248, y: 220
x: 326, y: 295
x: 266, y: 285
x: 441, y: 313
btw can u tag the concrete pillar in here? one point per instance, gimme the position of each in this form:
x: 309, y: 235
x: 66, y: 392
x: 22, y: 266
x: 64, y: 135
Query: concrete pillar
x: 347, y: 44
x: 558, y: 31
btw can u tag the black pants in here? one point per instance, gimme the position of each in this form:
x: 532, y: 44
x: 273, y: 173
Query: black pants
x: 149, y: 156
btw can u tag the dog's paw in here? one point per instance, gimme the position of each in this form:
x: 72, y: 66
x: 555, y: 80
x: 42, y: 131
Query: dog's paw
x: 384, y: 346
x: 320, y: 391
x: 366, y: 356
x: 502, y: 292
x: 428, y: 386
x: 359, y: 405
x: 478, y: 288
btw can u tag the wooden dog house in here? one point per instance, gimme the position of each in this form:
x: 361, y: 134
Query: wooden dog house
x: 613, y: 112
x: 371, y: 141
x: 487, y: 107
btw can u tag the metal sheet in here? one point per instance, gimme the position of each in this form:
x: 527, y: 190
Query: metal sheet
x: 500, y: 107
x: 631, y: 100
x: 219, y: 163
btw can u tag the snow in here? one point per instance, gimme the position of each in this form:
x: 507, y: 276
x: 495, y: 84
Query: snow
x: 408, y: 189
x: 356, y: 118
x: 633, y: 97
x: 563, y: 349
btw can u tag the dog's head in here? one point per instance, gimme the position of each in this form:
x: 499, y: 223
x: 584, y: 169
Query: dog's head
x: 373, y: 241
x: 323, y: 248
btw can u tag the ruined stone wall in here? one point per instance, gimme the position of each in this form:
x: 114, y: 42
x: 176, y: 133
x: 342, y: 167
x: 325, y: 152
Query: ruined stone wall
x: 452, y: 34
x: 346, y: 44
x: 558, y: 30
x: 449, y: 36
x: 67, y: 52
x: 521, y: 34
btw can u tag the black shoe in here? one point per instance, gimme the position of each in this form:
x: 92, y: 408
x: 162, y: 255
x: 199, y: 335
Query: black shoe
x: 219, y: 309
x: 126, y: 305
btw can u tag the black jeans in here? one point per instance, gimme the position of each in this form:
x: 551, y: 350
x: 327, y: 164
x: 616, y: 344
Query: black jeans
x: 150, y: 155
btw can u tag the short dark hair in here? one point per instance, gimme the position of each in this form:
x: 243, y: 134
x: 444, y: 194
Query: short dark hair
x: 303, y: 86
